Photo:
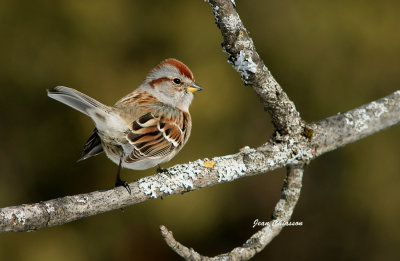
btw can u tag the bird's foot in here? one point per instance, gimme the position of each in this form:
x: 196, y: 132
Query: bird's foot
x: 161, y: 170
x: 120, y: 182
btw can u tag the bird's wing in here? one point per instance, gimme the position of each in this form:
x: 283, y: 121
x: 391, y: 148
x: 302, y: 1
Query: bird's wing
x: 92, y: 146
x: 155, y: 136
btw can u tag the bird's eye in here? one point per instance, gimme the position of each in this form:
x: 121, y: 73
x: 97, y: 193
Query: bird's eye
x: 177, y: 81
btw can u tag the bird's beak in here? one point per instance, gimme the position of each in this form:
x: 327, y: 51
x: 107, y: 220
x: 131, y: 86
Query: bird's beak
x: 194, y: 88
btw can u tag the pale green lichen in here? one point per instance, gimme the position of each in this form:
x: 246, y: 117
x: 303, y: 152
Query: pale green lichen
x: 181, y: 176
x: 244, y: 65
x: 230, y: 168
x: 357, y: 119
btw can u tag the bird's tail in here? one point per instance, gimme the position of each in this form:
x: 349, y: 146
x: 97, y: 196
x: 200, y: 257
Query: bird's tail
x: 106, y: 121
x: 76, y: 100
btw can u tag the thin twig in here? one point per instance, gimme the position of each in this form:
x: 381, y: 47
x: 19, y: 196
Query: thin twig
x: 257, y: 242
x: 183, y: 251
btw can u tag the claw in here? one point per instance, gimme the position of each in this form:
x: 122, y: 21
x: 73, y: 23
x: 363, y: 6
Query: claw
x: 161, y: 170
x: 123, y: 183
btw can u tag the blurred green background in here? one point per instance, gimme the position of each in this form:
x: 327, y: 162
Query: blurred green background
x: 329, y: 56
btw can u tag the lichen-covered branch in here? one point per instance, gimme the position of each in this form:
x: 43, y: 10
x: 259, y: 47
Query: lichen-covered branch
x: 257, y: 242
x: 344, y: 128
x: 323, y: 136
x: 245, y: 59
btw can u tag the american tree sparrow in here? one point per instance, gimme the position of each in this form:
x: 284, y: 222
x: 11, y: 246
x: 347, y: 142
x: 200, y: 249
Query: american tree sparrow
x: 145, y: 128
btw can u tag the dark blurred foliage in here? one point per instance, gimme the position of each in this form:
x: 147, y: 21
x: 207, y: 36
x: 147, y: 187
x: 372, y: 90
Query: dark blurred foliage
x: 330, y: 56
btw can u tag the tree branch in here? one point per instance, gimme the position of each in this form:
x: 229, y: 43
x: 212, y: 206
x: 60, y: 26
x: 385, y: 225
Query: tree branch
x: 257, y: 242
x: 353, y: 125
x: 245, y: 59
x: 344, y: 128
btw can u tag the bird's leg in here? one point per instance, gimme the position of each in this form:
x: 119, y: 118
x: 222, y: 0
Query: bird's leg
x: 118, y: 180
x: 161, y: 170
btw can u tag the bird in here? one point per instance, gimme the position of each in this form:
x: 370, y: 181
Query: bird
x: 145, y: 128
